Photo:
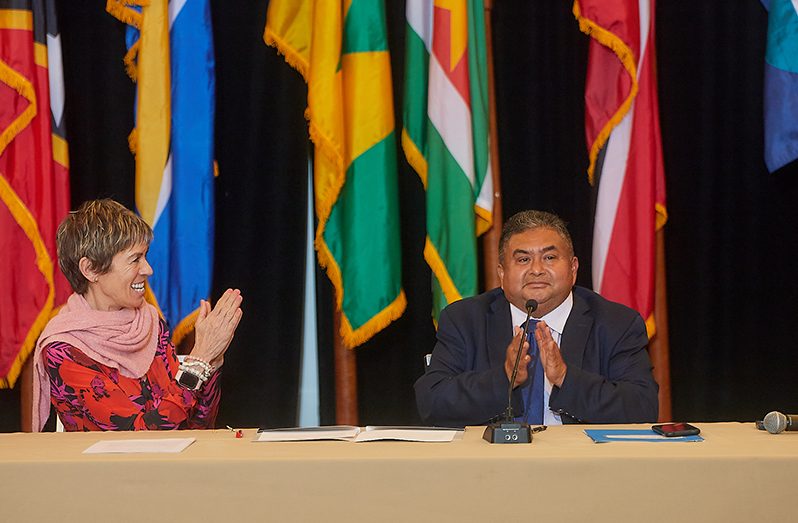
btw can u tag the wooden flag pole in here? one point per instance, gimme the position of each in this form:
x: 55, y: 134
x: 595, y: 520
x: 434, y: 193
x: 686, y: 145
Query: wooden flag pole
x: 345, y: 377
x: 490, y: 240
x: 659, y: 348
x: 26, y: 396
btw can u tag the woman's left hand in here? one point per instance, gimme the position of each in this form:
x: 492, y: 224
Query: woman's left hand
x: 214, y: 328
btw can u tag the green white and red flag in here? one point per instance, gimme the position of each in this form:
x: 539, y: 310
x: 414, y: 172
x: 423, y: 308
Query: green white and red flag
x: 445, y: 137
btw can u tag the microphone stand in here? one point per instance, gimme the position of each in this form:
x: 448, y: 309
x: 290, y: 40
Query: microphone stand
x: 508, y: 430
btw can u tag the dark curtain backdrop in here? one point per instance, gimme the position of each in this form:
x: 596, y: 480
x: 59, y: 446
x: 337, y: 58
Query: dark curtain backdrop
x: 730, y: 238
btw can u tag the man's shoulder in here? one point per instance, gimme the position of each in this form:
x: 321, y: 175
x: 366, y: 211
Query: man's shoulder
x: 479, y: 304
x: 603, y: 308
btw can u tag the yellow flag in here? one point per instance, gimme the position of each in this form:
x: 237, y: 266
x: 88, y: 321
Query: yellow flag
x: 341, y: 49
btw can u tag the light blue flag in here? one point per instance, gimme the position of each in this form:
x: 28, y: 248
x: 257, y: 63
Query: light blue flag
x: 181, y: 253
x: 781, y: 84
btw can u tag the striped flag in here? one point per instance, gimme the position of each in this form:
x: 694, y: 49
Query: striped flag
x: 170, y: 55
x: 34, y: 177
x: 622, y: 117
x: 341, y: 49
x: 781, y: 84
x: 445, y: 137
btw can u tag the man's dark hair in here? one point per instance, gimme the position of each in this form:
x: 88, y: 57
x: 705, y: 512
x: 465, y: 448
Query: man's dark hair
x: 526, y: 220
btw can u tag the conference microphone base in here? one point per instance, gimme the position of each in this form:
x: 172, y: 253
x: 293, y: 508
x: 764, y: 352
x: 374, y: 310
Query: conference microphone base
x: 508, y: 432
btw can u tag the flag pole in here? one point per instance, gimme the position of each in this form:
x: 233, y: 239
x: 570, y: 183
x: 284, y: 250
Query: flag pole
x: 345, y: 376
x: 659, y: 347
x: 490, y: 240
x: 26, y: 396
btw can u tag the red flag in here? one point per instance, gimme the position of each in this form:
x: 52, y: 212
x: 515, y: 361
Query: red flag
x: 34, y: 179
x: 622, y: 117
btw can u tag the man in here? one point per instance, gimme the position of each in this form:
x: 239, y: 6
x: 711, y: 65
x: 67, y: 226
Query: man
x: 592, y: 367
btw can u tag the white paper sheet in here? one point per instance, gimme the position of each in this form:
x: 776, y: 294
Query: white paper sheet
x: 133, y: 446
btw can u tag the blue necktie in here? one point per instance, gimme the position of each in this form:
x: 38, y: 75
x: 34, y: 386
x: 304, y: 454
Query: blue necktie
x: 533, y: 398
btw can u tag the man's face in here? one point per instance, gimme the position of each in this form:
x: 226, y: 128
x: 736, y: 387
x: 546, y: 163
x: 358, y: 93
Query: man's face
x: 537, y: 264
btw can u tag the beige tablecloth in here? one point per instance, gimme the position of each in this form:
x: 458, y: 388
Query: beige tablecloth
x: 737, y: 474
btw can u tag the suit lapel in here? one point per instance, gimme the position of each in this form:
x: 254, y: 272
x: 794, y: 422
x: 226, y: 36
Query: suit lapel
x: 576, y: 333
x: 499, y: 329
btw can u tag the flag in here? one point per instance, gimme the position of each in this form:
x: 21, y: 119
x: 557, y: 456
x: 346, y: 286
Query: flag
x: 170, y: 55
x: 781, y: 84
x: 445, y: 137
x: 622, y: 116
x: 34, y: 177
x: 341, y: 49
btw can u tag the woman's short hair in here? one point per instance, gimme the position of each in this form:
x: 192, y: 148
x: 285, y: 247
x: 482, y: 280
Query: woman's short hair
x: 526, y: 220
x: 98, y: 230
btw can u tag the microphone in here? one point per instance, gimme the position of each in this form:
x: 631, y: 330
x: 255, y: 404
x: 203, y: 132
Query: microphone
x: 509, y: 431
x: 776, y: 422
x: 531, y: 306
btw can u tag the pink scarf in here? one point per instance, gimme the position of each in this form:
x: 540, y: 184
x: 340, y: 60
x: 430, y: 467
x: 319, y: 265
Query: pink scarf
x: 126, y: 340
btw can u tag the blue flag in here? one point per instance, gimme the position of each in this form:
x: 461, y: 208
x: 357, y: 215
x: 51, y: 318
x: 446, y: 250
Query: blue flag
x: 781, y: 84
x: 173, y: 143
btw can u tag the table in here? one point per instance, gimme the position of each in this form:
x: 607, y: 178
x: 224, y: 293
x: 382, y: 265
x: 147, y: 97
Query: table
x: 738, y: 473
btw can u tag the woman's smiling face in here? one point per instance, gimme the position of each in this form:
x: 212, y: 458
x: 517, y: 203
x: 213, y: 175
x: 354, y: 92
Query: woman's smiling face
x: 122, y: 287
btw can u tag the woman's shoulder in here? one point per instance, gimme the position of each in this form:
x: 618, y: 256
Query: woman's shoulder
x: 58, y: 350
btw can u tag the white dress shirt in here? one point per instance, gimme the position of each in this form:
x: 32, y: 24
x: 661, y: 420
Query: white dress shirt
x: 556, y: 321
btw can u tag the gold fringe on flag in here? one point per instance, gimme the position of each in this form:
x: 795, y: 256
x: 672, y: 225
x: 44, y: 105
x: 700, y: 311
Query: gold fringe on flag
x: 17, y: 82
x: 292, y: 58
x: 414, y: 157
x: 121, y: 10
x: 44, y: 263
x: 625, y: 55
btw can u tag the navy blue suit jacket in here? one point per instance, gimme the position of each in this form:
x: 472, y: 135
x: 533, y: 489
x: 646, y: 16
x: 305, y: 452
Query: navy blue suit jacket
x: 604, y: 343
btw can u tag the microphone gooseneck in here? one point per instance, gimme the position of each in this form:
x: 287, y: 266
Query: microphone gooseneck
x: 531, y: 306
x: 509, y: 431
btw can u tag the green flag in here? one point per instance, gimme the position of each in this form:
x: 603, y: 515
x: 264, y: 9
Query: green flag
x: 445, y: 137
x: 341, y: 49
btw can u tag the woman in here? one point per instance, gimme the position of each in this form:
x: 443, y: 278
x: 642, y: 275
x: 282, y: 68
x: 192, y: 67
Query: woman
x: 106, y: 361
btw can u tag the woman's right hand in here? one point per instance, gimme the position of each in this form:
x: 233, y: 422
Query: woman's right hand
x: 214, y: 329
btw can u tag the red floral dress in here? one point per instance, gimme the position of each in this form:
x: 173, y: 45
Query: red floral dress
x: 90, y: 396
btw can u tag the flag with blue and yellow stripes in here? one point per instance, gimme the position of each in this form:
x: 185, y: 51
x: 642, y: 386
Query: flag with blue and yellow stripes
x: 341, y: 49
x: 170, y: 56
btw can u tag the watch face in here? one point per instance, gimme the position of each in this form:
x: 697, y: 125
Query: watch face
x: 188, y: 380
